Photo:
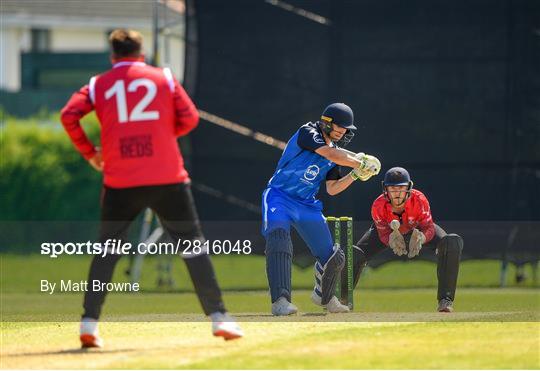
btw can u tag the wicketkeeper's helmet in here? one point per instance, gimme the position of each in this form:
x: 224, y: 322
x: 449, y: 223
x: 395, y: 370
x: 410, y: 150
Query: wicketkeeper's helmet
x: 397, y: 176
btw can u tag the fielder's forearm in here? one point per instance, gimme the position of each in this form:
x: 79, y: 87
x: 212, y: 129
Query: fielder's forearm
x: 428, y: 230
x: 186, y: 114
x: 75, y: 109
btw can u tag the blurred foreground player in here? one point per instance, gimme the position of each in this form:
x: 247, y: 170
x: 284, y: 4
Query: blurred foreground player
x: 142, y: 110
x: 310, y: 157
x: 402, y: 217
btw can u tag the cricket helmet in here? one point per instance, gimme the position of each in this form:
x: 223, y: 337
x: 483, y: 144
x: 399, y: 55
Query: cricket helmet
x: 397, y: 176
x: 341, y: 115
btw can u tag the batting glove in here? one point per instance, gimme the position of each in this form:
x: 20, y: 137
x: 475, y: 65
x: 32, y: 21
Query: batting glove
x: 396, y: 241
x: 369, y: 166
x: 416, y: 242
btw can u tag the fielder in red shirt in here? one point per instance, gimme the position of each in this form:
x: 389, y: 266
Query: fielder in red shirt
x: 402, y: 221
x: 142, y: 111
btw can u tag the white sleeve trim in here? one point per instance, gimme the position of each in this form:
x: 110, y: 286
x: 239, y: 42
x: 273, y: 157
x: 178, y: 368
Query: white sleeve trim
x: 170, y: 79
x: 92, y: 89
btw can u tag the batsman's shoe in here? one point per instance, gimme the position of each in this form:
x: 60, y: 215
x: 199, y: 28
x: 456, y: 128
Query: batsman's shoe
x: 316, y: 297
x: 445, y: 305
x: 89, y: 334
x: 223, y: 325
x: 282, y: 307
x: 334, y: 306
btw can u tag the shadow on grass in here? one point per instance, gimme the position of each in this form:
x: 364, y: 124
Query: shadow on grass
x: 69, y: 351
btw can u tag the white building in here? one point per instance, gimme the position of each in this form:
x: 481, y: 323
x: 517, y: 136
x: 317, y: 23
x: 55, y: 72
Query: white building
x: 82, y: 26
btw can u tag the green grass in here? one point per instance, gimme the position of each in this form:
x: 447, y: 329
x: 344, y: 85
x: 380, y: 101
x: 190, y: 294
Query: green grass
x: 277, y: 345
x: 394, y: 288
x: 394, y: 325
x: 22, y: 273
x: 383, y: 305
x: 409, y: 347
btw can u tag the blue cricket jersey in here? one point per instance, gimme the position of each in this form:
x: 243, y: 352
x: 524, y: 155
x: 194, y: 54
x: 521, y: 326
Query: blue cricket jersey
x: 301, y: 170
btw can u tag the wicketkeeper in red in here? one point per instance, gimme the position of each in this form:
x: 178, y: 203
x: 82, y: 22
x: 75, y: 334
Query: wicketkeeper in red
x: 402, y: 221
x: 142, y: 111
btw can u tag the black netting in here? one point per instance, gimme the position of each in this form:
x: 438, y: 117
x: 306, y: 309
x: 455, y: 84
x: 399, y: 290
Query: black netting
x: 448, y: 89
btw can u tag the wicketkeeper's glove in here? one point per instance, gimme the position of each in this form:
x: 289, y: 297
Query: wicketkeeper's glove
x: 416, y: 242
x: 369, y: 166
x: 396, y: 241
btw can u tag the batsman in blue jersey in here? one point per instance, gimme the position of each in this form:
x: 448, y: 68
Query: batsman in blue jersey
x: 312, y: 155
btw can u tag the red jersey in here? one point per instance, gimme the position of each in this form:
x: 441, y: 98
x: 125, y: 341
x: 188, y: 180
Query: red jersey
x: 142, y: 110
x: 416, y: 214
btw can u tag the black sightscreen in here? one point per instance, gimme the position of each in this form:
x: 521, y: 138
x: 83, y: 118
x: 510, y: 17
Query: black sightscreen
x: 447, y: 89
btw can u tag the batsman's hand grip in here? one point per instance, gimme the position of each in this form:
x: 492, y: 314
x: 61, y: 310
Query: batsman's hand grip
x: 394, y: 224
